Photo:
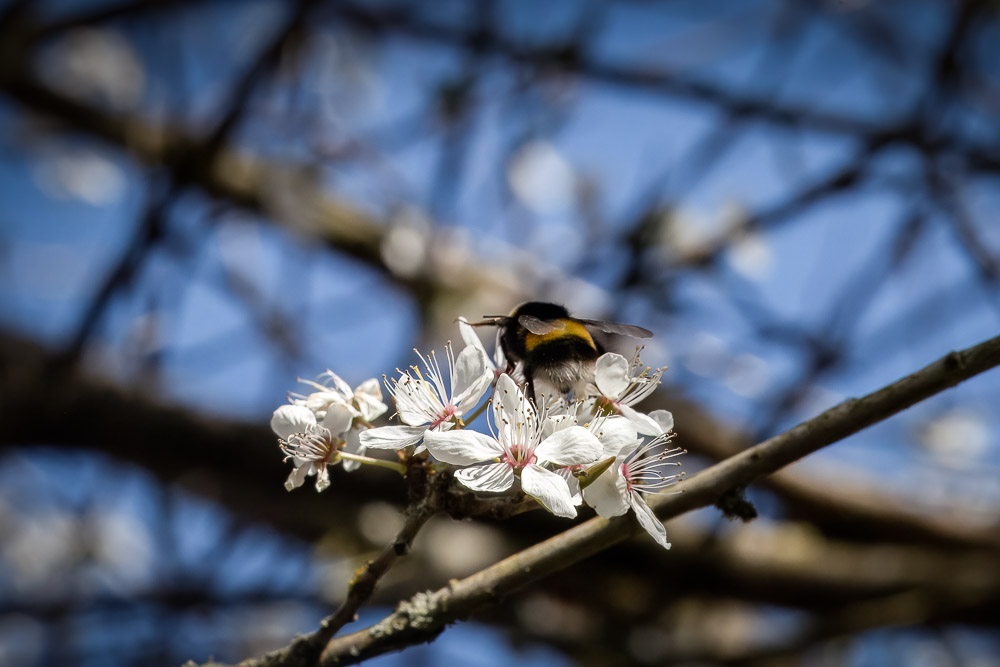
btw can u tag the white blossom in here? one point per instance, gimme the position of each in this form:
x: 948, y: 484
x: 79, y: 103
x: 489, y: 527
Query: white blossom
x: 563, y: 415
x: 312, y: 446
x: 519, y: 447
x: 613, y: 432
x: 637, y: 469
x: 365, y: 401
x: 622, y: 384
x: 425, y: 403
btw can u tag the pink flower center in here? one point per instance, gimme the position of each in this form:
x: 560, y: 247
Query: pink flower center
x: 519, y: 457
x: 626, y: 476
x: 445, y: 415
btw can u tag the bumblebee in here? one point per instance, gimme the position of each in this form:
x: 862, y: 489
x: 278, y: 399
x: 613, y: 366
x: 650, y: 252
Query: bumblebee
x: 556, y: 351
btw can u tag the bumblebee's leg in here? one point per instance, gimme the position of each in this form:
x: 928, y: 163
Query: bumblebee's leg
x: 529, y: 380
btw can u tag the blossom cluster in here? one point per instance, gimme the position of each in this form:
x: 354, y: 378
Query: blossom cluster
x: 594, y: 448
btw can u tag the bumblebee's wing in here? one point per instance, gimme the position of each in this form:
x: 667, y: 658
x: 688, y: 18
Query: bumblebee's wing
x: 620, y: 329
x: 539, y: 327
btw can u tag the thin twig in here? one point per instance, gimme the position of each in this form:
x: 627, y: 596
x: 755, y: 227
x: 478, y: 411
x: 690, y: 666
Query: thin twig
x: 475, y: 415
x: 368, y: 460
x: 306, y: 649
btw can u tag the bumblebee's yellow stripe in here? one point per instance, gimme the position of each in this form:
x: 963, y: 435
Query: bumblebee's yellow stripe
x: 570, y: 328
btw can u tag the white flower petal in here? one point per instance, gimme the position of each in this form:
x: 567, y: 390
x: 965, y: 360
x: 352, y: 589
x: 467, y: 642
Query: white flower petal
x: 322, y: 479
x: 645, y: 424
x: 648, y: 520
x: 511, y: 398
x: 664, y: 419
x: 370, y: 407
x: 417, y: 402
x: 368, y: 397
x: 629, y: 450
x: 469, y: 335
x: 369, y: 387
x: 549, y: 489
x: 492, y: 477
x: 513, y: 413
x: 298, y: 477
x: 462, y: 447
x: 555, y: 423
x: 574, y: 445
x: 319, y: 401
x: 615, y: 433
x: 472, y: 379
x: 574, y: 485
x: 611, y: 374
x: 353, y: 445
x: 289, y: 419
x: 392, y: 437
x: 608, y: 493
x: 339, y: 385
x: 338, y: 418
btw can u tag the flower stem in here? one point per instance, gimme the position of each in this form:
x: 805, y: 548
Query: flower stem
x: 471, y: 418
x: 391, y: 465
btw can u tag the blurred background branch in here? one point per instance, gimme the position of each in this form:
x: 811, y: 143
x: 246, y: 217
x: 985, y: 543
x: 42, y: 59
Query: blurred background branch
x: 204, y: 201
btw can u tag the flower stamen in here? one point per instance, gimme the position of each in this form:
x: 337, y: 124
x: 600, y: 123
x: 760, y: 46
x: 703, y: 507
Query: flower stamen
x: 643, y: 470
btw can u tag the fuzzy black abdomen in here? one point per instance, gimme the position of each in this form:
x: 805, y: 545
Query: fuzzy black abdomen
x: 560, y: 363
x: 560, y: 350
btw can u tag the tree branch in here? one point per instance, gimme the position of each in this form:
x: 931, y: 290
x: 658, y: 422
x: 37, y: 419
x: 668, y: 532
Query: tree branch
x: 425, y: 615
x: 852, y: 508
